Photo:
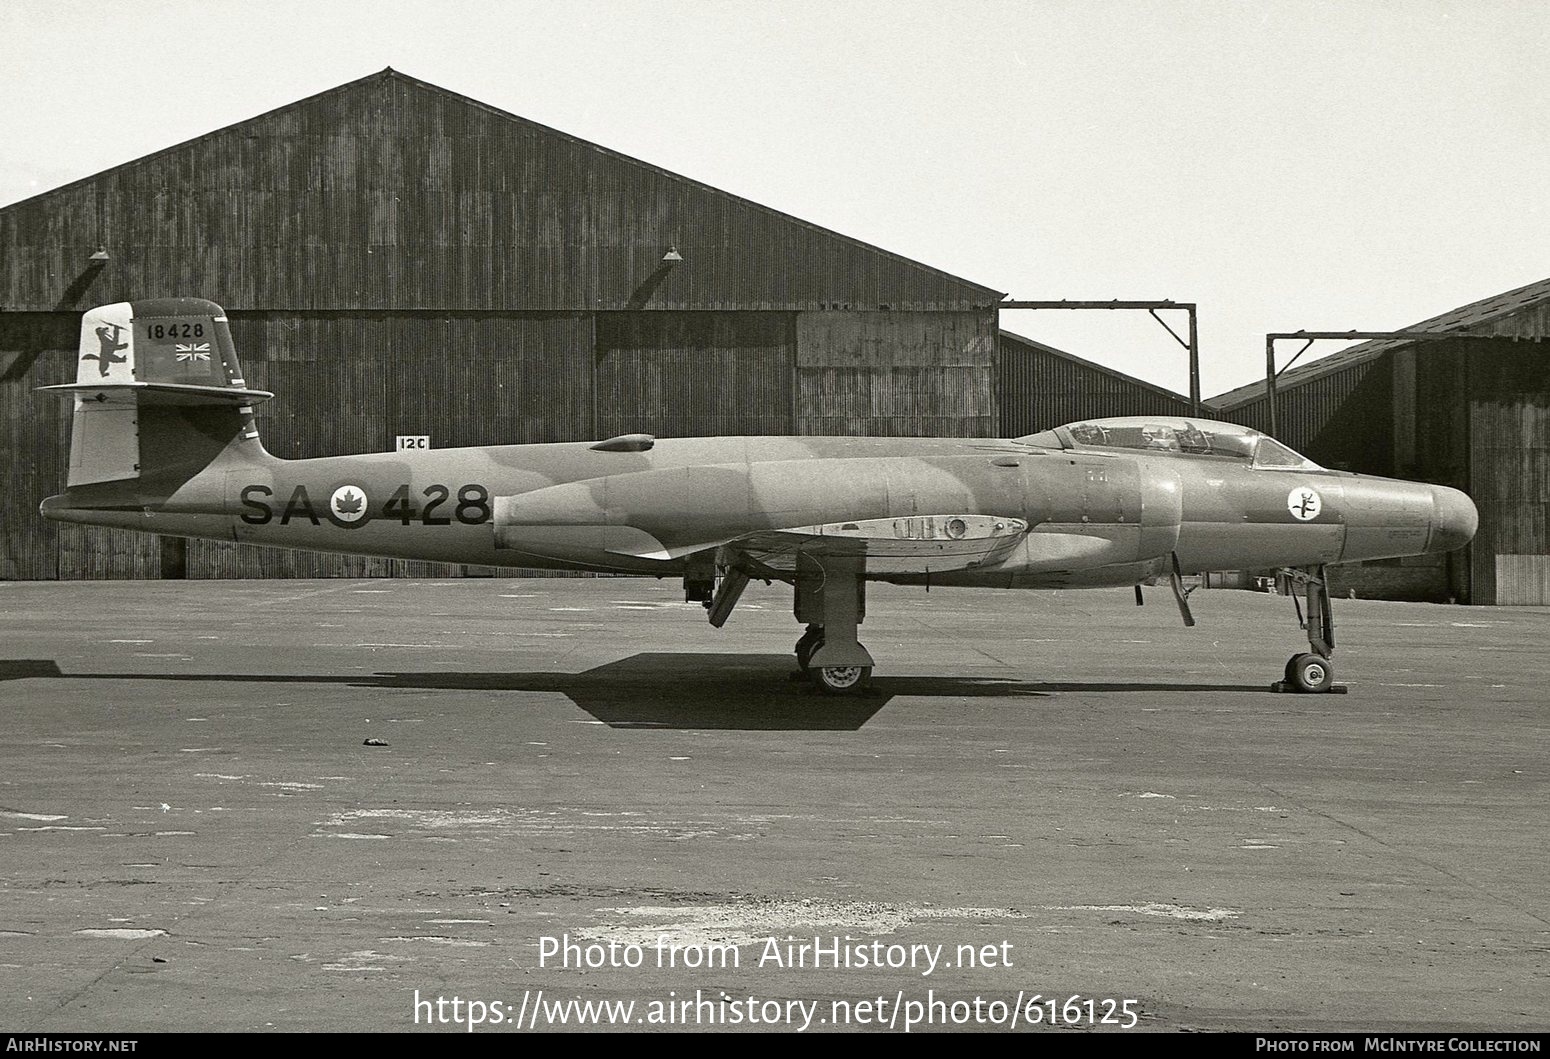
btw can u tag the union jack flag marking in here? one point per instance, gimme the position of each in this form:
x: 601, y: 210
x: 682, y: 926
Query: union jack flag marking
x: 189, y: 352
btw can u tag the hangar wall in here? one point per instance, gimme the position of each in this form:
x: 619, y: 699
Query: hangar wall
x: 1509, y: 470
x: 907, y: 374
x: 1041, y: 387
x: 1340, y: 420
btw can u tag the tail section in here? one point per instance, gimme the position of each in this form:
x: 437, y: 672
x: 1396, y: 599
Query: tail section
x: 159, y: 394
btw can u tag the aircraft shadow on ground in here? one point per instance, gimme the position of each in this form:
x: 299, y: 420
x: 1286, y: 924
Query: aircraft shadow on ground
x: 666, y: 689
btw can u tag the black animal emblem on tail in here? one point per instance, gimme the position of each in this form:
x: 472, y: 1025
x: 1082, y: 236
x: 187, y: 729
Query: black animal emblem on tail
x: 107, y: 335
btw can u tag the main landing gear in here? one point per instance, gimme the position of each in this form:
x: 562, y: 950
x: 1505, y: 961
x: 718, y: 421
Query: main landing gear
x: 1312, y: 671
x: 834, y: 680
x: 831, y: 600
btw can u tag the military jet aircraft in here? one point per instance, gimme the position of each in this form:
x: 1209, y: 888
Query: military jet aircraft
x: 164, y: 441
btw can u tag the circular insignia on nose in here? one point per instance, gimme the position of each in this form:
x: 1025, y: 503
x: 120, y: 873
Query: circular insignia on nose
x: 1304, y: 504
x: 348, y: 504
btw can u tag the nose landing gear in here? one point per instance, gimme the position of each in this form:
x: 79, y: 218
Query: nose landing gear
x: 1312, y: 671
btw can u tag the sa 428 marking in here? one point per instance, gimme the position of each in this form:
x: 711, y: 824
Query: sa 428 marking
x: 349, y: 506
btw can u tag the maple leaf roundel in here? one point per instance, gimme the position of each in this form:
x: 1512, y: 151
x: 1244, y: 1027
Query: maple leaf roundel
x: 348, y: 503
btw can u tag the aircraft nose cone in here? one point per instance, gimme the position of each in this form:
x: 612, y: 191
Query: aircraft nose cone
x: 1454, y: 519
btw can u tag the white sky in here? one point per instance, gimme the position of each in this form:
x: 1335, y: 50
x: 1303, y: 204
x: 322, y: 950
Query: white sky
x: 1328, y: 165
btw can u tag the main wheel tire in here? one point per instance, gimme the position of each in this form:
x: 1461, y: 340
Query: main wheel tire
x: 841, y: 680
x: 1312, y: 672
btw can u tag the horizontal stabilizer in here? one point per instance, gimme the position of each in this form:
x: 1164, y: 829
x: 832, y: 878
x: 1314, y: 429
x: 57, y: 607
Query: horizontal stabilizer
x: 162, y: 393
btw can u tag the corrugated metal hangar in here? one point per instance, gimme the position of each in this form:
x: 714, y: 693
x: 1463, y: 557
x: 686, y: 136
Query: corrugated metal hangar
x: 396, y: 259
x: 1471, y: 411
x: 399, y: 259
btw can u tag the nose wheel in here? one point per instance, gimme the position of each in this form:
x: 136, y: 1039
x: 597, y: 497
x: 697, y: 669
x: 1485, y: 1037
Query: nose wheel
x: 1312, y: 671
x: 1309, y: 672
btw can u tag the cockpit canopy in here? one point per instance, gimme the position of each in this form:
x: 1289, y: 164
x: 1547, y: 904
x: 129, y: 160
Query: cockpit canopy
x: 1183, y: 437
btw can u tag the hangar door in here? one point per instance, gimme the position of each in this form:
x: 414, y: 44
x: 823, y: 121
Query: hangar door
x: 694, y: 374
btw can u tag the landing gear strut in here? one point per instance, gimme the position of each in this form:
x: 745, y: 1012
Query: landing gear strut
x: 1312, y: 671
x: 831, y: 601
x: 810, y: 642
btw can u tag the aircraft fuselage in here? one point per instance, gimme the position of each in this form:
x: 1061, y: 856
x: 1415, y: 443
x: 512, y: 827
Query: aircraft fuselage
x: 1095, y: 517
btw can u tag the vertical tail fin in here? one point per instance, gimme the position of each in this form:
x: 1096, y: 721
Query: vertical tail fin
x: 158, y: 393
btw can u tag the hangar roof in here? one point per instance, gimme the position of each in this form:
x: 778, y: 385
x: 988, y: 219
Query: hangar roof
x: 1520, y: 313
x: 282, y: 210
